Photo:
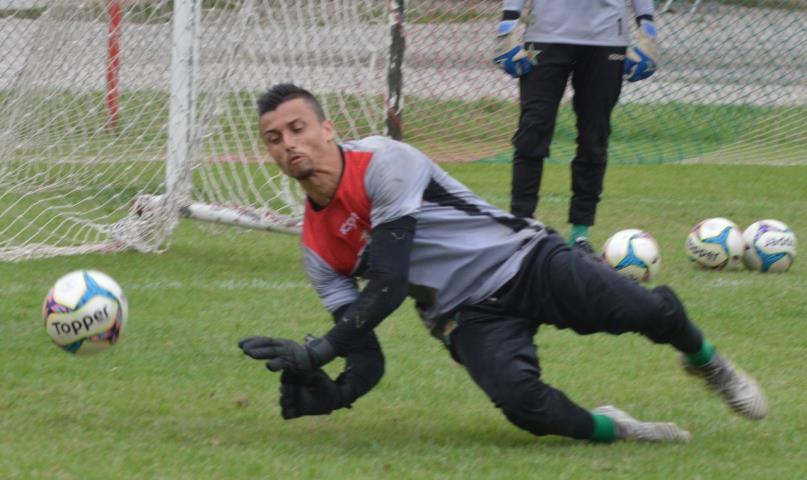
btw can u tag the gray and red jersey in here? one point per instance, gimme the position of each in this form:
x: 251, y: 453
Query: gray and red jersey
x: 464, y: 249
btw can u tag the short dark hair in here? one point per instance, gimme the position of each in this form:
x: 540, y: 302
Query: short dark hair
x: 283, y: 92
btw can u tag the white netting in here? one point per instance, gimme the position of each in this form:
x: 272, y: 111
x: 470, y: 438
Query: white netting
x: 731, y: 86
x: 83, y: 158
x: 75, y: 176
x: 68, y: 182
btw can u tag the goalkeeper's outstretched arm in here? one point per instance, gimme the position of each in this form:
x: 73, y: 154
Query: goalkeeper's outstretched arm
x: 352, y: 335
x: 387, y: 277
x: 364, y: 365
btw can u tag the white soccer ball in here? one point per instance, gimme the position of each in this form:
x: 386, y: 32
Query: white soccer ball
x: 715, y: 243
x: 633, y: 253
x: 770, y: 246
x: 85, y: 312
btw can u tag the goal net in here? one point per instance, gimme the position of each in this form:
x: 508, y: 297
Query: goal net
x: 118, y: 116
x: 731, y: 86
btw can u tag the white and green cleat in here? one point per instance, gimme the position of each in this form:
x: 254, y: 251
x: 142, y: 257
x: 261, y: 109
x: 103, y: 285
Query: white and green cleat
x: 628, y: 428
x: 738, y: 389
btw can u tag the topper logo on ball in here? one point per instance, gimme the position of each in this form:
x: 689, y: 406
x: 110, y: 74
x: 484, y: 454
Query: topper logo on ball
x: 779, y: 242
x: 701, y: 252
x: 85, y: 323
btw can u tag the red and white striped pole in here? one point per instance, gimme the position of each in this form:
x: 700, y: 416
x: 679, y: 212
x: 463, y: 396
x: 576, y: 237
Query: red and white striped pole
x: 113, y: 63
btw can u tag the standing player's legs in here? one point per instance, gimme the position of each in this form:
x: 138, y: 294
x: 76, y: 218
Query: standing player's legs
x: 597, y: 82
x: 540, y: 92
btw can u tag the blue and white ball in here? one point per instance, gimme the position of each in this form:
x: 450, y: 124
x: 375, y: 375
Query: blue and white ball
x: 715, y: 243
x: 85, y: 312
x: 633, y: 253
x: 770, y: 246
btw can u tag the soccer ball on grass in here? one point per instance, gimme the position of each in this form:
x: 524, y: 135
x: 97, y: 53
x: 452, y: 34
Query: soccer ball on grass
x: 715, y: 243
x: 770, y: 246
x: 85, y: 312
x: 633, y: 253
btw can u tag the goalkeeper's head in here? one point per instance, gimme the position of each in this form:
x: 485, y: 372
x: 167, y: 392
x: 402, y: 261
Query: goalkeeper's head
x: 296, y: 133
x: 283, y: 92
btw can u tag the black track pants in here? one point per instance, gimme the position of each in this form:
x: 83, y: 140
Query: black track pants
x: 561, y: 286
x: 596, y: 75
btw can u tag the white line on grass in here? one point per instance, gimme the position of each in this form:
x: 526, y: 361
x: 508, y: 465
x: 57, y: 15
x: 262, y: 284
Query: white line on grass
x: 753, y: 278
x: 634, y: 199
x: 224, y: 284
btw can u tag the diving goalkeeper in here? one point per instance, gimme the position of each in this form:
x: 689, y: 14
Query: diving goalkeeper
x: 482, y: 280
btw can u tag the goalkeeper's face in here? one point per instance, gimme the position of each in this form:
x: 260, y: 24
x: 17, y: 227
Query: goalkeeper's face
x: 297, y: 139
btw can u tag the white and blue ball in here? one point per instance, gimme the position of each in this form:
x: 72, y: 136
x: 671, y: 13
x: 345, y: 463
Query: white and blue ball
x: 633, y: 253
x: 715, y: 243
x: 85, y: 312
x: 770, y: 246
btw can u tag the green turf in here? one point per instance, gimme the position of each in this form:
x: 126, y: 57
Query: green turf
x: 176, y: 399
x: 76, y: 128
x: 689, y: 131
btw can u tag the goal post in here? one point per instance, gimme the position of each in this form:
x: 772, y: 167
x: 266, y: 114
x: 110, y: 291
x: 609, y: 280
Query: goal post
x: 395, y: 69
x: 113, y: 63
x: 119, y: 117
x: 182, y: 126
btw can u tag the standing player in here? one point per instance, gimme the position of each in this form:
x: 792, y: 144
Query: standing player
x: 586, y: 41
x: 483, y: 281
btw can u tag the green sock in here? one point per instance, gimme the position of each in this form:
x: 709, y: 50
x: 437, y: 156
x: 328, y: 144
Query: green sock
x: 577, y: 232
x: 604, y: 428
x: 703, y: 356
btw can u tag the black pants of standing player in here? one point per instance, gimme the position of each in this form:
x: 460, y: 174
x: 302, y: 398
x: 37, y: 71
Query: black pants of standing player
x: 596, y: 74
x: 561, y: 286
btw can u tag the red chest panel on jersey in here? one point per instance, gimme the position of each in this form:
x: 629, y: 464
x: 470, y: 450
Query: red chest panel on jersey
x: 338, y: 232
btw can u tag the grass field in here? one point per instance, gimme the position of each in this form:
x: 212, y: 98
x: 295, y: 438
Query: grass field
x: 467, y: 130
x: 176, y: 399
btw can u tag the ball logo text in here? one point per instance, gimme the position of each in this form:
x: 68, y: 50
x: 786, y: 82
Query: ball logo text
x: 85, y: 323
x: 779, y: 242
x: 701, y: 252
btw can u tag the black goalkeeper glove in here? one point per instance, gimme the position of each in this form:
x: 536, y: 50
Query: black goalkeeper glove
x: 283, y: 354
x: 310, y: 393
